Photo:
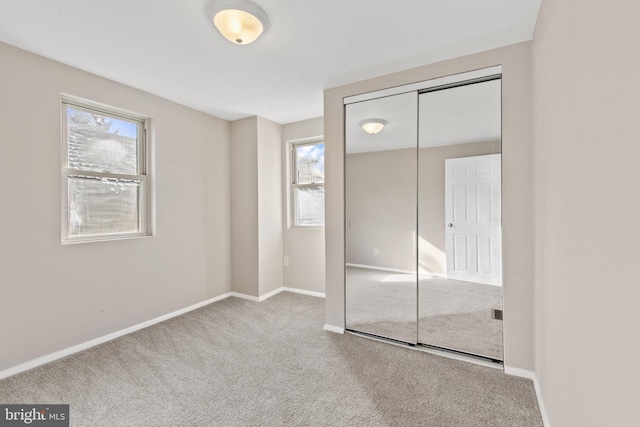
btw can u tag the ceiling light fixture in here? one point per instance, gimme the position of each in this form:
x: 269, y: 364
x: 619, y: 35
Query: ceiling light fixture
x: 372, y: 126
x: 239, y: 21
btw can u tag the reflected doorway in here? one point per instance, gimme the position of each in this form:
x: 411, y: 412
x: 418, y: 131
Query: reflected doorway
x: 459, y: 219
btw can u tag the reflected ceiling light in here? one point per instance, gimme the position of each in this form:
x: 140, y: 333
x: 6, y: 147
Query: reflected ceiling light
x: 372, y: 126
x: 239, y: 21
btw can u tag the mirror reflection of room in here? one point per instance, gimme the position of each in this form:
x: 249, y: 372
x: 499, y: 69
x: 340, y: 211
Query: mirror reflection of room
x: 423, y: 218
x: 380, y: 185
x: 459, y: 220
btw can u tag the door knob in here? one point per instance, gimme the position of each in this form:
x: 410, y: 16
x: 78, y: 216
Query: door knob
x: 449, y: 225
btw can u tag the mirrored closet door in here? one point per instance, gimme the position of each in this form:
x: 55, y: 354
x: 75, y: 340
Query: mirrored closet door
x: 459, y: 219
x: 380, y: 189
x: 423, y: 217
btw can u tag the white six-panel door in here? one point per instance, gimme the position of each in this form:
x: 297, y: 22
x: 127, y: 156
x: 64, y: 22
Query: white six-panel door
x: 473, y: 219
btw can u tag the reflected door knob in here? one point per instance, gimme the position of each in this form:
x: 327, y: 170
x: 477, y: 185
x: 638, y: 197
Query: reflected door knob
x: 449, y: 225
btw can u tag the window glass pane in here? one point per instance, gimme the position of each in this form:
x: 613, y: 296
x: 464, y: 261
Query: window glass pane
x: 309, y: 205
x: 310, y: 163
x: 101, y: 143
x: 103, y: 206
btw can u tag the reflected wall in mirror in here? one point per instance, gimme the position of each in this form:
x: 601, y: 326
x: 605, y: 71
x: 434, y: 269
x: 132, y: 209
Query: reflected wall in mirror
x: 459, y: 219
x: 431, y: 275
x: 380, y: 193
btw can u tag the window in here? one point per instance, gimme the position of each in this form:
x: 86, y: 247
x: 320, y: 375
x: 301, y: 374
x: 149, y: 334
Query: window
x: 106, y: 188
x: 307, y: 159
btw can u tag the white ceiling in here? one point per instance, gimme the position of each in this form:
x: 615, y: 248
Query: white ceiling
x: 459, y: 115
x: 168, y: 47
x: 401, y: 131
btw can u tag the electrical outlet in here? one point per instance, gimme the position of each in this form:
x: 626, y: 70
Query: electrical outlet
x: 375, y: 251
x: 285, y: 261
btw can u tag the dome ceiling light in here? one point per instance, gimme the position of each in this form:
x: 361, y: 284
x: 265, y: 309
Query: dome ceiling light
x: 239, y: 21
x: 372, y: 126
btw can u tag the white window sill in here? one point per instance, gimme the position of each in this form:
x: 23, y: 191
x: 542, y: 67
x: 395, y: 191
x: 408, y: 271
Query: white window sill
x: 103, y: 238
x: 307, y: 227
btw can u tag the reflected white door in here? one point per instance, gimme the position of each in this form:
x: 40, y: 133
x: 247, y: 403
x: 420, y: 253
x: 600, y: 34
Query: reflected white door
x: 473, y: 219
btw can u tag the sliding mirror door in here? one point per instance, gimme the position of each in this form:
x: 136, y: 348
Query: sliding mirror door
x: 380, y: 200
x: 459, y: 219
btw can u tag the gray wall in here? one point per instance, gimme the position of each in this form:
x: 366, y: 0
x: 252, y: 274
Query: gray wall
x: 270, y: 213
x: 53, y: 296
x: 381, y: 208
x: 381, y: 203
x: 304, y: 247
x: 256, y: 206
x: 244, y: 206
x: 585, y: 68
x: 517, y: 187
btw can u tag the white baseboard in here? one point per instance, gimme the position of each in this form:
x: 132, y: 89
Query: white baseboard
x: 244, y: 296
x: 276, y: 292
x: 34, y: 363
x: 331, y: 328
x: 519, y: 372
x: 270, y: 294
x: 374, y: 267
x: 304, y: 292
x: 438, y: 275
x: 536, y: 384
x: 543, y: 408
x: 251, y: 297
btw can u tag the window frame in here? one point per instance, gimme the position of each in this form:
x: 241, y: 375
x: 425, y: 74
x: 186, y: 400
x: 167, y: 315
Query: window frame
x: 146, y: 220
x: 293, y: 184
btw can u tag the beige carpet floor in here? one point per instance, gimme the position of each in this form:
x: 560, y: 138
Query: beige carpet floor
x: 242, y: 363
